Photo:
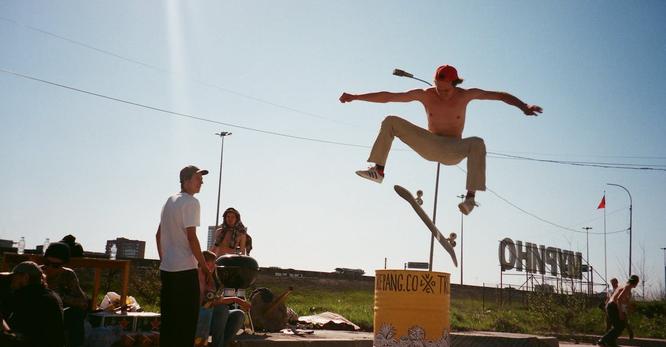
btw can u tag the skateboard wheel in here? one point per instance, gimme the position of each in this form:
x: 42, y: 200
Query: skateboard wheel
x: 419, y: 193
x: 453, y: 236
x: 453, y: 243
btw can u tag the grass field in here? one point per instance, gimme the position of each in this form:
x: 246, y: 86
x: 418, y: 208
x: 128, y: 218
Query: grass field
x: 353, y: 299
x: 542, y: 315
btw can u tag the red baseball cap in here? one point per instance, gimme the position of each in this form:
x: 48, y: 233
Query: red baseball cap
x: 446, y: 73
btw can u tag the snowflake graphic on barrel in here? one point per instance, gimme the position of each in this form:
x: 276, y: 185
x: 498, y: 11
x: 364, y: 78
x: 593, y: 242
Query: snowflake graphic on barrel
x: 385, y: 337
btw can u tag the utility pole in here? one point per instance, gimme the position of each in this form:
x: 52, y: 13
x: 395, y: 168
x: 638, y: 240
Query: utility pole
x: 664, y: 249
x: 221, y: 134
x: 589, y: 285
x: 630, y: 220
x: 462, y: 245
x: 401, y: 73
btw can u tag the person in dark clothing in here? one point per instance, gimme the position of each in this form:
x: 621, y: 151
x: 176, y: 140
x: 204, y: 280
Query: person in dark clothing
x: 75, y: 248
x: 36, y: 318
x: 65, y: 283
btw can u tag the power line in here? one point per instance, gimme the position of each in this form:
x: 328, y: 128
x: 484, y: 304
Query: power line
x: 581, y: 163
x: 226, y: 90
x: 540, y: 218
x: 179, y: 114
x: 310, y: 114
x: 311, y: 139
x: 590, y: 155
x: 173, y: 73
x: 547, y: 221
x: 607, y: 214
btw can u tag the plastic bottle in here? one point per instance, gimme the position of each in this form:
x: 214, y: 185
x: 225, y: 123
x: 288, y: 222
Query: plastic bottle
x: 21, y: 245
x: 46, y: 245
x: 114, y: 250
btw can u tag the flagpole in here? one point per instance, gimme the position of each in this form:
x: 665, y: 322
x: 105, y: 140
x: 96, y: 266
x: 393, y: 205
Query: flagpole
x: 605, y: 259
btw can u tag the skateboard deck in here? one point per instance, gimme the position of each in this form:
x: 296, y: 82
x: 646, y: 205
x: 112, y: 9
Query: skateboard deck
x: 445, y: 242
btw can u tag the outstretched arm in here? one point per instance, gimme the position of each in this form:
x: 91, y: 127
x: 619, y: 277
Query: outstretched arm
x: 384, y: 97
x: 528, y: 110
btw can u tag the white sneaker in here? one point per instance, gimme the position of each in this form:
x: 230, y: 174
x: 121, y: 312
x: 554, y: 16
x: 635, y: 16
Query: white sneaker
x: 371, y: 174
x: 467, y: 206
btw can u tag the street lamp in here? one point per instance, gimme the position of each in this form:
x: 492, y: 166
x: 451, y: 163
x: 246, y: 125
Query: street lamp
x: 402, y: 73
x: 462, y: 196
x: 630, y: 219
x: 587, y: 231
x: 664, y: 249
x: 221, y: 134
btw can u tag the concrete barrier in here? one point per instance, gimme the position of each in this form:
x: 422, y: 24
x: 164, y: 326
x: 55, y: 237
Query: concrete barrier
x: 328, y: 338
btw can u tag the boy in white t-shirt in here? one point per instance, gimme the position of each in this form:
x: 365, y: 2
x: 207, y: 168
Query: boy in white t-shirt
x: 180, y: 254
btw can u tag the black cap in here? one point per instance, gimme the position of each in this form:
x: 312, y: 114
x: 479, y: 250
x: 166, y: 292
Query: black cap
x: 59, y: 250
x: 28, y: 267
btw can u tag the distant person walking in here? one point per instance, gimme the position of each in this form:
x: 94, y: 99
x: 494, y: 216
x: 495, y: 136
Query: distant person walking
x: 609, y: 294
x: 180, y: 253
x: 617, y: 312
x: 445, y: 105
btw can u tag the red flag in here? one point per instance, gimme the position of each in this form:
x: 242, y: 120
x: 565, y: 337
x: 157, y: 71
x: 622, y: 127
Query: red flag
x: 602, y: 204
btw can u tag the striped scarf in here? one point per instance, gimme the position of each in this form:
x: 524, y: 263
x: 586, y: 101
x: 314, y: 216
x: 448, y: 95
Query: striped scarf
x: 236, y: 230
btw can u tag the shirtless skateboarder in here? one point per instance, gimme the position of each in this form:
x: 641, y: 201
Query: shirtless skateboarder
x: 445, y: 104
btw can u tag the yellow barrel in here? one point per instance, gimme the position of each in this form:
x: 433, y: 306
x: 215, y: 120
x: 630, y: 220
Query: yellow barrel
x: 411, y: 308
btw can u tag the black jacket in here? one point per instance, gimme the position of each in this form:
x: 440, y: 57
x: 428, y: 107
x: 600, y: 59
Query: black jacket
x: 37, y: 317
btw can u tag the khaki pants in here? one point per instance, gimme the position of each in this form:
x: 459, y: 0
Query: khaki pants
x: 443, y: 149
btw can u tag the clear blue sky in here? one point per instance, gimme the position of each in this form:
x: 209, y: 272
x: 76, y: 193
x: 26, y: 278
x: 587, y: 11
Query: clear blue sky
x: 100, y: 169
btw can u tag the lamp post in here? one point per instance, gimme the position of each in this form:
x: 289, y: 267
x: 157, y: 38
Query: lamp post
x: 664, y: 249
x: 222, y: 135
x: 630, y: 219
x: 587, y: 232
x: 462, y: 196
x: 402, y: 73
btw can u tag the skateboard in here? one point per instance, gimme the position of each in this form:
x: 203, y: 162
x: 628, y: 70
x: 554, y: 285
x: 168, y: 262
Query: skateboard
x: 447, y: 243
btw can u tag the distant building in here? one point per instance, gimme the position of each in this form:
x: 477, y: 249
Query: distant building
x: 349, y: 272
x: 211, y: 236
x: 6, y: 243
x: 129, y: 249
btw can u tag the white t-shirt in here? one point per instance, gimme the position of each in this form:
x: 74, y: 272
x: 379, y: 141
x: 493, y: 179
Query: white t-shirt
x: 180, y: 211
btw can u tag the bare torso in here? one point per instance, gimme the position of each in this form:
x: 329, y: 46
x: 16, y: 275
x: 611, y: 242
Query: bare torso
x: 227, y: 246
x: 446, y: 111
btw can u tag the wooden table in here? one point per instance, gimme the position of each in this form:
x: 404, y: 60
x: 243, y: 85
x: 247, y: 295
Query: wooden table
x: 11, y: 259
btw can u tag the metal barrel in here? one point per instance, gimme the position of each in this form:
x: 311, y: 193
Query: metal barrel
x: 411, y: 308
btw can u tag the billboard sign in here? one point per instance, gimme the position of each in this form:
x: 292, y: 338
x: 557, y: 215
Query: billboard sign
x: 533, y: 258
